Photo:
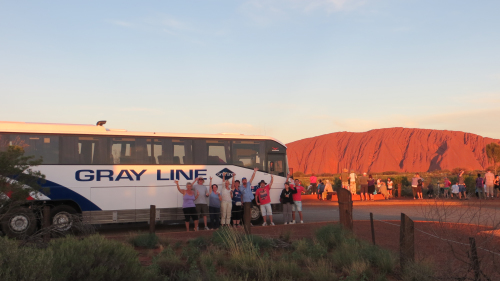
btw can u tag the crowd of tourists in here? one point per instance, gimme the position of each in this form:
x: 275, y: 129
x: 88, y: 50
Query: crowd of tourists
x: 226, y: 205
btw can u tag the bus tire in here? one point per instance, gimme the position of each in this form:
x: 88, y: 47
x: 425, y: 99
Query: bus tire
x: 19, y: 222
x: 256, y: 215
x: 62, y: 218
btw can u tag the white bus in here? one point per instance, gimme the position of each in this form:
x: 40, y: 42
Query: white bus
x: 113, y: 176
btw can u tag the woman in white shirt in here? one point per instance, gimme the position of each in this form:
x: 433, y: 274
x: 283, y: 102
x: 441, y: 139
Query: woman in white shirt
x: 227, y: 203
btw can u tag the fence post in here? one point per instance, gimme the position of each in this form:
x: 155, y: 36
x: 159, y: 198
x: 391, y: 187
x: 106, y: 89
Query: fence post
x: 373, y: 228
x: 474, y: 258
x: 406, y: 240
x: 399, y: 190
x: 152, y: 218
x: 345, y: 208
x: 46, y: 223
x: 247, y: 216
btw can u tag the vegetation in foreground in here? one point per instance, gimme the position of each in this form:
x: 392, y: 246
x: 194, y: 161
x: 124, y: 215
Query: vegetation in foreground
x: 332, y: 254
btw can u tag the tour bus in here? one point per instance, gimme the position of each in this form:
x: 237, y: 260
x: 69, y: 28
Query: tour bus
x: 113, y: 175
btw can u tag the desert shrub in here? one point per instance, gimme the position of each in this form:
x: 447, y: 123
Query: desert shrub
x: 379, y: 258
x: 145, y: 240
x: 167, y: 263
x: 322, y: 270
x: 298, y: 174
x: 24, y: 263
x: 418, y: 271
x: 390, y: 173
x: 308, y: 249
x: 200, y: 242
x: 94, y: 258
x: 331, y: 236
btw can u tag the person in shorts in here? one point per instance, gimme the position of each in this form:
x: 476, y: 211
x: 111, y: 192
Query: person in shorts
x: 414, y: 185
x: 188, y: 206
x: 321, y: 189
x: 420, y: 187
x: 371, y: 187
x: 447, y: 185
x: 455, y: 190
x: 297, y: 200
x: 313, y: 180
x: 390, y: 185
x: 363, y: 181
x: 201, y: 201
x: 263, y: 199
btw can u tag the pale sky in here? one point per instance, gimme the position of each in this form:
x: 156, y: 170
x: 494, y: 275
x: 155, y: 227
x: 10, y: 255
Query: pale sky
x: 290, y: 69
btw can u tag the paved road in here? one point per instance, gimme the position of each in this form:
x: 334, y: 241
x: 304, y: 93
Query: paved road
x: 470, y: 211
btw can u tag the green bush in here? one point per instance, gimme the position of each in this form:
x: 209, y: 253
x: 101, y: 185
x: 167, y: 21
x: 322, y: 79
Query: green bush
x: 167, y: 264
x: 331, y: 236
x: 418, y: 271
x: 145, y: 240
x: 94, y: 258
x: 24, y: 263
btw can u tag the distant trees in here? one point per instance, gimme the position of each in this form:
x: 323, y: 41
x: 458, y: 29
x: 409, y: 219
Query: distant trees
x: 493, y: 153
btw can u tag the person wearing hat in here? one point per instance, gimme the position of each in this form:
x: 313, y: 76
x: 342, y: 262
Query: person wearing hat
x: 201, y: 201
x: 263, y: 199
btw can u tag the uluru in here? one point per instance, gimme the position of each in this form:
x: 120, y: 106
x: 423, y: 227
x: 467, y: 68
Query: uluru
x: 391, y: 149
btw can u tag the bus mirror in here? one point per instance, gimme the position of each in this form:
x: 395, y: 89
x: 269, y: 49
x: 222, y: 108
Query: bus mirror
x: 271, y: 166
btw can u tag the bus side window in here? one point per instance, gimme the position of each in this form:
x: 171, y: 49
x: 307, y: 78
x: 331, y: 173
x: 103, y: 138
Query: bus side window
x: 249, y: 154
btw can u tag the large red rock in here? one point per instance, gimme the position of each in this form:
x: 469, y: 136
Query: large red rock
x: 392, y: 149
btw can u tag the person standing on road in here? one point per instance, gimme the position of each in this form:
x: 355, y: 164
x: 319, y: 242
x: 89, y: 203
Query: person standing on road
x: 246, y: 191
x: 390, y: 184
x: 383, y: 190
x: 489, y: 180
x: 237, y: 208
x: 297, y: 200
x: 352, y: 182
x: 313, y: 180
x: 447, y: 184
x: 414, y: 185
x: 263, y: 199
x: 328, y: 190
x: 455, y: 190
x: 461, y: 185
x: 321, y: 189
x: 188, y: 206
x: 287, y: 201
x: 480, y: 186
x: 214, y: 199
x: 371, y: 187
x: 496, y: 185
x: 201, y: 201
x: 344, y: 177
x: 227, y: 202
x: 363, y: 181
x: 420, y: 187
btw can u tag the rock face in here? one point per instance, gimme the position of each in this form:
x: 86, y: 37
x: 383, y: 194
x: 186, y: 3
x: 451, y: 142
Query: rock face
x: 392, y: 149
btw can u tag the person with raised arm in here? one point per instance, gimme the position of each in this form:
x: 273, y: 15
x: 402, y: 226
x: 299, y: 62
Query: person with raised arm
x: 214, y: 200
x: 246, y: 189
x: 263, y: 199
x: 227, y: 203
x: 201, y: 201
x: 188, y: 205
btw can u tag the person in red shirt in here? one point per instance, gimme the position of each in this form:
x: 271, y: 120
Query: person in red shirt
x: 297, y: 200
x: 313, y: 180
x: 263, y: 199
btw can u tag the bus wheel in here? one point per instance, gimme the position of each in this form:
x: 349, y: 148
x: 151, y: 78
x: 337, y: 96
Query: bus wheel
x: 256, y: 215
x: 19, y: 222
x: 62, y: 218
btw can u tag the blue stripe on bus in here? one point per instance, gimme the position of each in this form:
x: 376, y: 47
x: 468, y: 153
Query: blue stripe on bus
x: 59, y: 192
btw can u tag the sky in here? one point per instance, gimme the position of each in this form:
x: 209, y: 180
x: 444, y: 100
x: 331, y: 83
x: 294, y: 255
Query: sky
x: 290, y: 69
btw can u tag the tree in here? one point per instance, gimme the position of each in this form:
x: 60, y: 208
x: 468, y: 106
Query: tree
x: 18, y: 182
x: 493, y: 153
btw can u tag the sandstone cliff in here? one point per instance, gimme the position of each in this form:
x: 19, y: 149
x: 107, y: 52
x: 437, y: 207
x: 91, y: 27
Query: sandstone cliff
x: 392, y: 149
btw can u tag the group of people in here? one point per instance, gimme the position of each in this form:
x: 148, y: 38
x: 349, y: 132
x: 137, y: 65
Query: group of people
x: 227, y: 203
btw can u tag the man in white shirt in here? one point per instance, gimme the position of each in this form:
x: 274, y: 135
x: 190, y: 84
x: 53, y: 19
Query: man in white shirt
x: 352, y: 183
x: 455, y: 189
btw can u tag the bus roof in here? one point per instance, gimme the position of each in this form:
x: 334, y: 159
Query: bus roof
x: 56, y: 128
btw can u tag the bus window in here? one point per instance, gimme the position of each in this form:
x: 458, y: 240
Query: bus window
x: 218, y: 152
x: 276, y: 164
x: 45, y: 146
x: 131, y: 151
x: 249, y: 154
x: 183, y: 152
